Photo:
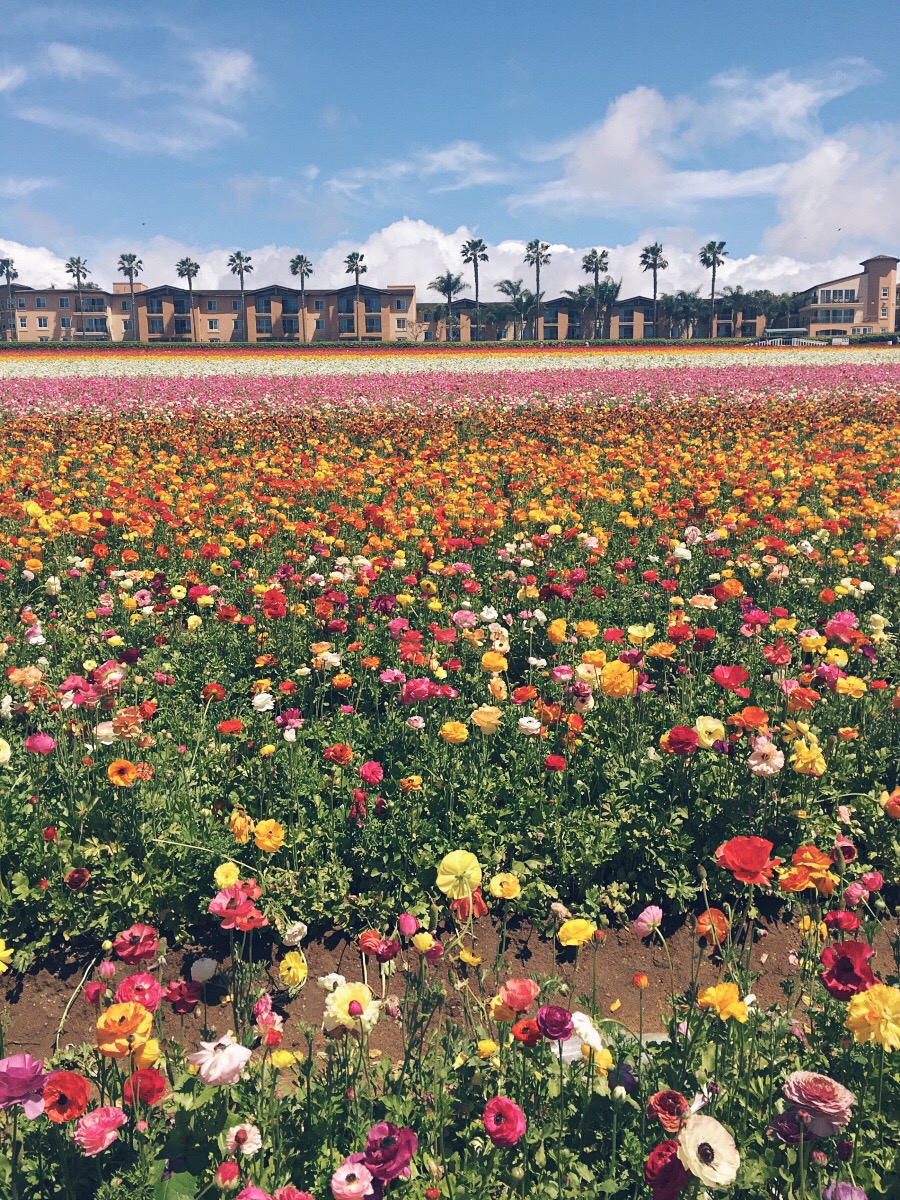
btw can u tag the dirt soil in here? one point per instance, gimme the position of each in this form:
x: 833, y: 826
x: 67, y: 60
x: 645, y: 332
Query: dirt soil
x: 33, y: 1006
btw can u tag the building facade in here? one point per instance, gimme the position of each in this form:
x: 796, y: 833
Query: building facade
x: 855, y: 304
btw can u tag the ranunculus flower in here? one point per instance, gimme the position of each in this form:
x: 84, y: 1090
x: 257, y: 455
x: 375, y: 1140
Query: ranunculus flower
x: 459, y: 874
x: 352, y: 1179
x: 527, y: 1032
x: 842, y: 920
x: 22, y: 1080
x: 708, y: 1151
x: 747, y: 858
x: 554, y: 1022
x: 40, y: 743
x: 826, y: 1105
x: 221, y: 1063
x: 137, y: 944
x: 184, y: 996
x: 371, y: 773
x: 504, y: 1121
x: 668, y: 1107
x: 97, y: 1130
x: 147, y: 1086
x: 65, y: 1096
x: 519, y: 994
x: 847, y: 971
x: 664, y: 1173
x: 389, y: 1151
x: 243, y: 1139
x: 843, y: 1191
x: 648, y: 921
x: 142, y: 989
x: 682, y: 740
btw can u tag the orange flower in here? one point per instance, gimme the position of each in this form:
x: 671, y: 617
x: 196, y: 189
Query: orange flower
x: 340, y: 754
x: 121, y: 773
x: 713, y: 925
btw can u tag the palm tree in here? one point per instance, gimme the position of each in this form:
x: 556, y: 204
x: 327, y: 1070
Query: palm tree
x: 652, y: 259
x: 513, y: 290
x: 474, y: 251
x: 240, y: 264
x: 712, y: 255
x: 739, y: 304
x: 582, y: 299
x: 300, y: 265
x: 596, y: 263
x: 129, y: 266
x: 187, y: 269
x: 448, y: 285
x: 9, y: 272
x: 668, y: 305
x: 536, y: 256
x: 78, y: 269
x: 354, y: 265
x: 609, y: 294
x: 688, y: 310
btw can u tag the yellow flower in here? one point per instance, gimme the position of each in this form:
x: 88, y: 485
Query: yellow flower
x: 123, y: 1029
x: 266, y: 751
x: 423, y: 942
x: 637, y: 634
x: 556, y: 631
x: 618, y: 680
x: 709, y: 730
x: 505, y: 886
x: 193, y: 623
x: 852, y: 686
x: 487, y: 718
x: 281, y: 1059
x: 594, y: 658
x: 269, y: 836
x: 411, y: 783
x: 602, y: 1059
x: 227, y: 875
x: 500, y: 1012
x: 874, y: 1016
x: 576, y: 932
x: 459, y: 874
x: 486, y: 1048
x: 470, y: 957
x: 808, y: 760
x: 241, y: 826
x: 588, y: 630
x: 492, y: 661
x: 293, y: 969
x: 5, y: 956
x: 147, y: 1054
x: 661, y: 650
x: 454, y: 733
x: 726, y: 1000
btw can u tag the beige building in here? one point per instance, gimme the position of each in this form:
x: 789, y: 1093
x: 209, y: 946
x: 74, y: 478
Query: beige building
x: 855, y: 304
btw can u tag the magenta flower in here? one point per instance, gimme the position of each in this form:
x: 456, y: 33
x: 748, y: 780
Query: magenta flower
x: 40, y: 743
x: 142, y: 989
x: 22, y: 1080
x: 389, y: 1151
x: 554, y: 1022
x: 504, y: 1121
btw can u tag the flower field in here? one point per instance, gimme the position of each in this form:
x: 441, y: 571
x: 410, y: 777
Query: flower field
x: 426, y: 650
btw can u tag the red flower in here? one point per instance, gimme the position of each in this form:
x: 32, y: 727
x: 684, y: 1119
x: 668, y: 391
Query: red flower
x: 65, y: 1096
x: 668, y: 1107
x: 461, y: 907
x: 555, y: 762
x: 137, y: 944
x: 77, y: 879
x: 682, y: 740
x: 147, y: 1086
x: 184, y: 996
x: 841, y: 919
x: 49, y: 834
x: 213, y: 692
x: 747, y: 858
x: 847, y: 971
x: 732, y: 679
x: 340, y: 754
x: 526, y: 1032
x: 233, y: 725
x: 664, y: 1173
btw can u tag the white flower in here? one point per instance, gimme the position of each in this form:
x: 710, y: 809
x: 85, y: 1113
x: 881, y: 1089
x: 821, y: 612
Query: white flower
x: 537, y: 663
x: 203, y: 969
x: 220, y: 1063
x: 530, y: 726
x: 489, y: 614
x: 263, y: 702
x: 294, y: 934
x: 707, y: 1150
x: 588, y: 1033
x: 6, y: 705
x: 244, y: 1138
x: 5, y: 752
x: 290, y: 734
x: 53, y: 586
x: 329, y: 982
x: 103, y: 733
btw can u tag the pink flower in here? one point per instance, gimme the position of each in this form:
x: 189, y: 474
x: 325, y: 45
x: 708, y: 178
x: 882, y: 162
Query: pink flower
x: 519, y: 994
x: 227, y: 1177
x: 415, y: 691
x: 766, y: 759
x: 220, y: 1063
x: 824, y: 1103
x: 137, y: 944
x: 352, y: 1179
x: 873, y: 881
x: 855, y: 895
x: 371, y: 773
x: 244, y: 1139
x: 407, y: 924
x: 97, y: 1130
x: 40, y: 743
x: 504, y: 1121
x: 142, y: 988
x: 291, y: 1193
x: 252, y: 1193
x: 648, y: 921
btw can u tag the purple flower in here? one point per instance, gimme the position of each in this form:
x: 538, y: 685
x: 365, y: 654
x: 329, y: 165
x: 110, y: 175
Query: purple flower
x: 787, y: 1128
x: 389, y: 1151
x: 648, y: 921
x: 555, y: 1023
x: 22, y: 1081
x: 843, y: 1191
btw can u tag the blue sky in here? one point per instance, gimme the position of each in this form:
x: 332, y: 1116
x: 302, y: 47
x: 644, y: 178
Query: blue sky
x: 401, y: 128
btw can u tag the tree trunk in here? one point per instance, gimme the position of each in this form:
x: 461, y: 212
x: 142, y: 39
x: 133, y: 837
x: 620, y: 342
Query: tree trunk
x: 537, y: 299
x: 191, y: 303
x: 655, y: 326
x: 11, y: 312
x: 712, y: 304
x: 356, y: 321
x: 477, y: 305
x: 245, y: 327
x: 303, y: 306
x: 80, y: 305
x: 596, y: 305
x: 133, y: 312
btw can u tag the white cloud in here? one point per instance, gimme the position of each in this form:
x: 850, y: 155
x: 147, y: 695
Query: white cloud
x: 190, y: 132
x: 13, y: 188
x: 74, y: 62
x: 458, y: 165
x: 37, y: 265
x: 223, y: 75
x: 12, y: 77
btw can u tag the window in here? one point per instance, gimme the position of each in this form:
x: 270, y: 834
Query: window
x: 263, y: 324
x: 182, y: 326
x: 126, y: 306
x: 64, y: 302
x: 43, y: 339
x: 66, y: 322
x: 20, y: 301
x: 95, y: 325
x: 126, y: 326
x: 23, y: 322
x: 884, y: 311
x: 319, y: 305
x: 401, y: 322
x: 373, y: 324
x: 429, y: 336
x: 155, y: 325
x: 373, y: 304
x: 212, y: 306
x: 290, y: 324
x: 345, y: 325
x: 235, y: 306
x: 215, y: 339
x: 238, y: 324
x: 862, y: 329
x: 290, y: 304
x: 182, y: 305
x: 40, y: 302
x: 42, y: 322
x: 320, y: 324
x: 401, y: 306
x: 345, y: 304
x: 213, y: 325
x: 884, y: 293
x: 154, y: 305
x: 263, y: 304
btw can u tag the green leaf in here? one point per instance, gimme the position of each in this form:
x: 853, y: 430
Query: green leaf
x: 180, y: 1185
